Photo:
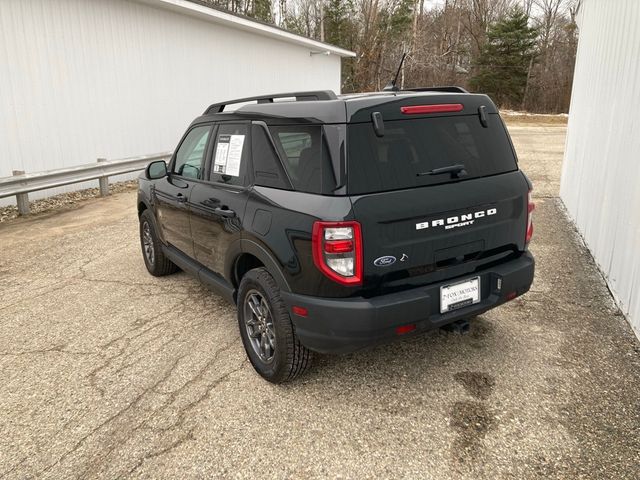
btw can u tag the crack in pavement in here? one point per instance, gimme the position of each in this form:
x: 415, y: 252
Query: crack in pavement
x: 137, y: 399
x: 189, y: 406
x: 189, y: 435
x: 15, y: 467
x: 125, y: 352
x: 182, y: 412
x: 163, y: 451
x: 45, y: 351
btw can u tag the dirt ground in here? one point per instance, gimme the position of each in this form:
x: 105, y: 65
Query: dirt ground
x: 107, y: 372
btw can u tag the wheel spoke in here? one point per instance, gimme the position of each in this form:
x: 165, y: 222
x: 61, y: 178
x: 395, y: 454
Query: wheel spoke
x: 252, y: 328
x: 255, y: 334
x: 264, y: 308
x: 147, y: 242
x: 259, y: 325
x: 264, y: 345
x: 272, y: 342
x: 253, y: 307
x: 270, y: 334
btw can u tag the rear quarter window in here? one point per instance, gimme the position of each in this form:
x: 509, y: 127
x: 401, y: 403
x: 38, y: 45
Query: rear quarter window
x: 267, y: 168
x: 306, y: 157
x: 413, y: 146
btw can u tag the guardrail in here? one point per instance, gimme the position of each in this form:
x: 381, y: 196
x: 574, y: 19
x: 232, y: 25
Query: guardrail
x: 21, y: 184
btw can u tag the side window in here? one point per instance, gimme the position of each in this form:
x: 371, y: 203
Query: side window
x: 191, y: 152
x: 307, y: 158
x: 230, y: 154
x: 267, y: 169
x: 294, y: 143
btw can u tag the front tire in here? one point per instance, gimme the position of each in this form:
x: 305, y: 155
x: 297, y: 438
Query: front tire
x: 155, y: 260
x: 266, y: 329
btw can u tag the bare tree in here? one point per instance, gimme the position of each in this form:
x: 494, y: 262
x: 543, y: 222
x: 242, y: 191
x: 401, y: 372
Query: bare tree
x: 443, y: 41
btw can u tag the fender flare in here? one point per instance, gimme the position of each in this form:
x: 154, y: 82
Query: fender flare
x: 268, y: 260
x: 143, y: 199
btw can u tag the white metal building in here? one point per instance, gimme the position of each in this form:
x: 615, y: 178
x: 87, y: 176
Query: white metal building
x: 601, y: 171
x: 83, y: 79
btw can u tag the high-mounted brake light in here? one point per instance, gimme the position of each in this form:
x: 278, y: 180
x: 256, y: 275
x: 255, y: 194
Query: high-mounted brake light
x: 337, y: 251
x: 530, y: 208
x: 438, y: 108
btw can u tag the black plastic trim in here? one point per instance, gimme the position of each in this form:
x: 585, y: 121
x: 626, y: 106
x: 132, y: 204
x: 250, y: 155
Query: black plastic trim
x: 258, y: 251
x: 336, y: 325
x: 206, y: 276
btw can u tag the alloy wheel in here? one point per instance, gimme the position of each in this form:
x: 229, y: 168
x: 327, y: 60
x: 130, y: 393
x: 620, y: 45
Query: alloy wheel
x: 258, y: 322
x: 147, y: 243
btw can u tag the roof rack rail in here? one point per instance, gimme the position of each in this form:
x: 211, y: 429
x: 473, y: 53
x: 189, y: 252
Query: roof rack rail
x: 450, y: 88
x: 299, y: 96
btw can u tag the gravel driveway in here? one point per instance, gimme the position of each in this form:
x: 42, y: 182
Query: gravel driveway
x: 106, y: 371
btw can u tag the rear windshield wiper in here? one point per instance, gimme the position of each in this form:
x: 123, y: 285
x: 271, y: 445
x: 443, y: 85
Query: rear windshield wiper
x: 456, y: 171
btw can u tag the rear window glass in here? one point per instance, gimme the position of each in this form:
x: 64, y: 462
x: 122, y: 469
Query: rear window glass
x: 411, y: 147
x: 306, y: 157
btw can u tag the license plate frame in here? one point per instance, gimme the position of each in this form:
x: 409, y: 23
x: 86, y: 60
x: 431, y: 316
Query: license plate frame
x: 460, y: 298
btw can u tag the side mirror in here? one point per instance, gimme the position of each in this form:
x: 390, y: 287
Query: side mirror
x: 156, y: 170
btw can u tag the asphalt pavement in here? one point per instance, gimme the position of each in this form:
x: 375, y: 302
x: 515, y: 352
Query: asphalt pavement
x: 108, y: 372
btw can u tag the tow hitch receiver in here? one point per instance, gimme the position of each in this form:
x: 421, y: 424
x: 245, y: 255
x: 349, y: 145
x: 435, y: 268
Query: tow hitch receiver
x: 459, y: 326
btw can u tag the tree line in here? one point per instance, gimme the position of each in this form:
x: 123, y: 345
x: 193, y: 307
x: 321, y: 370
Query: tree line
x: 521, y: 52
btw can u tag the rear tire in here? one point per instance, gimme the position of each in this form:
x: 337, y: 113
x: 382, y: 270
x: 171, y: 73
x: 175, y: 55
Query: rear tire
x: 155, y: 260
x: 267, y: 333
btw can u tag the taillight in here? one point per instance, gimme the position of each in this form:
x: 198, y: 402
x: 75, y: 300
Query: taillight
x: 530, y: 208
x: 337, y: 251
x: 437, y: 108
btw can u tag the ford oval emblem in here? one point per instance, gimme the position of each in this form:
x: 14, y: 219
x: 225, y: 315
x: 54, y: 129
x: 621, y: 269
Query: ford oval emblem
x: 384, y: 261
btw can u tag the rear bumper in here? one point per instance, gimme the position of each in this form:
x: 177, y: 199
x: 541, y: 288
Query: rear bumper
x: 344, y: 325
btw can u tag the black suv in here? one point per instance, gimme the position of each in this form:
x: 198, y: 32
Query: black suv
x: 336, y: 222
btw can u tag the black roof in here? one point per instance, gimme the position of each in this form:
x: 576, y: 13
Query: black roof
x: 326, y: 107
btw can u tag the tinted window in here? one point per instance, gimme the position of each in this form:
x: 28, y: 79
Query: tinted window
x: 267, y: 169
x: 191, y: 152
x: 230, y: 154
x: 410, y: 147
x: 306, y: 157
x: 294, y: 143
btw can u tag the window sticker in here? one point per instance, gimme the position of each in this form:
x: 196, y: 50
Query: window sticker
x: 228, y: 155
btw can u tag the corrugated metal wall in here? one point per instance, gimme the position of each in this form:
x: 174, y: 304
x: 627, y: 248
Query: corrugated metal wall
x: 601, y: 171
x: 82, y: 79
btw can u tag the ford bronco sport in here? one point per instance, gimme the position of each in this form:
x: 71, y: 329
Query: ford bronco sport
x: 336, y: 222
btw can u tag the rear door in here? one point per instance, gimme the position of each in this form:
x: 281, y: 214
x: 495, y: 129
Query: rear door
x: 421, y: 226
x: 172, y: 193
x: 218, y: 203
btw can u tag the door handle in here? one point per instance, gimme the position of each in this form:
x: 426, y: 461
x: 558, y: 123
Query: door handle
x: 224, y: 212
x: 181, y: 198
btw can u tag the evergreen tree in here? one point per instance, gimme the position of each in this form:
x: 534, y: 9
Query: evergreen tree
x: 338, y: 25
x: 399, y: 19
x: 505, y: 59
x: 341, y: 30
x: 262, y: 10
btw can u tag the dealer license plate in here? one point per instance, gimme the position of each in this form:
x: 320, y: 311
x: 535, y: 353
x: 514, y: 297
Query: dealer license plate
x: 459, y: 295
